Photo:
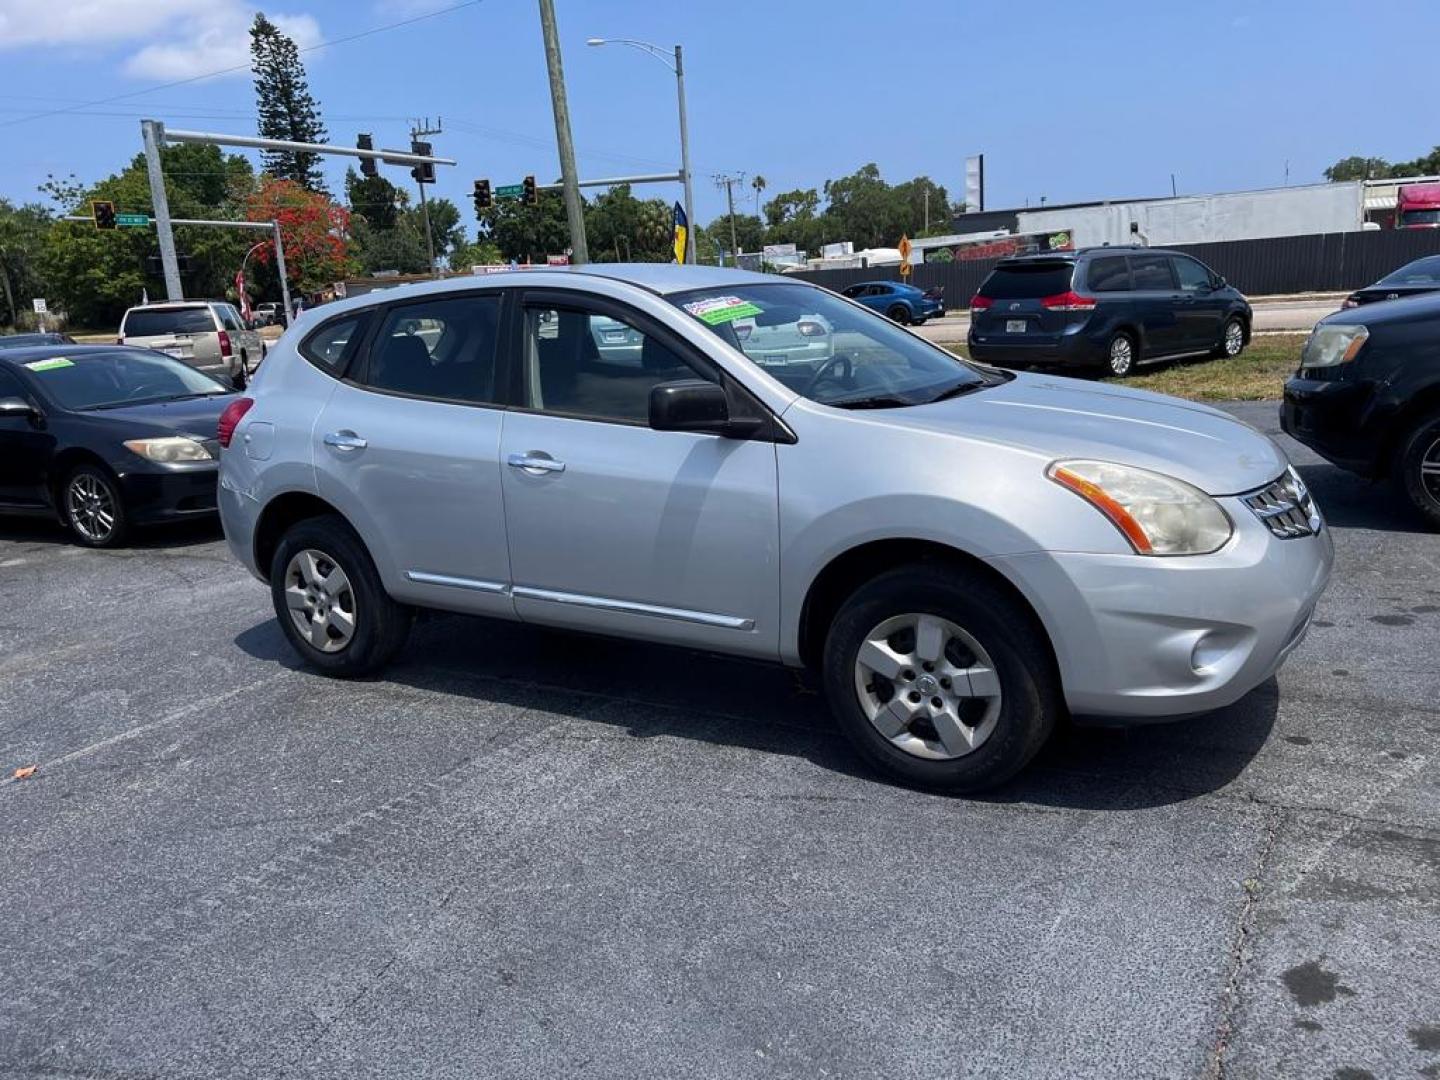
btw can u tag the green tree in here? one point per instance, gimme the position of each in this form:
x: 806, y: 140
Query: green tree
x: 793, y: 217
x: 749, y: 231
x: 373, y: 198
x: 445, y: 227
x: 1358, y: 168
x: 527, y: 233
x: 22, y: 238
x: 758, y: 185
x: 480, y: 253
x: 284, y: 105
x: 622, y: 228
x: 400, y: 247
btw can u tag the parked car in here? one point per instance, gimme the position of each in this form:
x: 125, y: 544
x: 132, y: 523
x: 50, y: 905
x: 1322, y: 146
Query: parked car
x: 25, y: 341
x: 962, y: 553
x: 269, y: 314
x: 899, y: 302
x: 206, y: 334
x: 1413, y: 279
x: 1417, y: 206
x: 106, y: 438
x: 1110, y: 308
x: 1367, y: 396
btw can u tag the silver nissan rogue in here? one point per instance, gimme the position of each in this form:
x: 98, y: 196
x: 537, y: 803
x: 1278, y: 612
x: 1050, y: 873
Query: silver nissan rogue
x: 963, y: 554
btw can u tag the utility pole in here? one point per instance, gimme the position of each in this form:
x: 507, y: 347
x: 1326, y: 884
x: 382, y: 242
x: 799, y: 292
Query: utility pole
x: 153, y: 132
x: 685, y: 158
x: 927, y: 209
x: 728, y: 183
x: 574, y: 211
x: 419, y: 131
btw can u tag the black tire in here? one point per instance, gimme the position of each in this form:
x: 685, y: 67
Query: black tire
x: 1421, y: 448
x: 381, y: 625
x: 1222, y: 350
x: 898, y: 313
x: 87, y: 493
x: 1030, y: 700
x: 1121, y: 355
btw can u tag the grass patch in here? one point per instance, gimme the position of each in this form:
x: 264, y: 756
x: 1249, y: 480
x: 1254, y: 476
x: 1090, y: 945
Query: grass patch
x: 1257, y: 374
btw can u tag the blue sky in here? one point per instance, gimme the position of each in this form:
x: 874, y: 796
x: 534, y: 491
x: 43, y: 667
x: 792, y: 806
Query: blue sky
x: 1068, y: 101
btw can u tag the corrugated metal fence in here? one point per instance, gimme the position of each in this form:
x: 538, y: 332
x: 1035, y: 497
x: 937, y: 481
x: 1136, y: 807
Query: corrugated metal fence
x: 1323, y: 262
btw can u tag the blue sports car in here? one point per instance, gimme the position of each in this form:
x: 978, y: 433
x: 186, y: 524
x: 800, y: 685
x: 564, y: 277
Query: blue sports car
x: 902, y: 303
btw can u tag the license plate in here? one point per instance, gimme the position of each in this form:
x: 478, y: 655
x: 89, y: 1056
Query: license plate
x: 775, y: 358
x: 174, y: 351
x: 1015, y: 326
x: 614, y: 335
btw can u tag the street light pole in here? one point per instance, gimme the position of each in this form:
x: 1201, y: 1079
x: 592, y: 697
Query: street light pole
x: 678, y: 66
x: 574, y: 211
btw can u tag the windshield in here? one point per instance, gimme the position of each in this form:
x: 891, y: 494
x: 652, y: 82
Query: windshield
x: 1420, y: 272
x: 828, y: 349
x: 103, y: 379
x: 1420, y: 217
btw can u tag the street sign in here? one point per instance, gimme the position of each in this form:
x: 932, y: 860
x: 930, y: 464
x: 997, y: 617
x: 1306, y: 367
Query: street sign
x: 39, y: 303
x: 905, y: 250
x: 509, y: 191
x: 133, y: 221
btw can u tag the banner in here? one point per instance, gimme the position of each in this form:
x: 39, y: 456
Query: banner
x: 682, y: 230
x: 245, y: 312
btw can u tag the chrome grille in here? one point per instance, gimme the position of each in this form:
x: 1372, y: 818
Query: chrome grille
x: 1285, y: 506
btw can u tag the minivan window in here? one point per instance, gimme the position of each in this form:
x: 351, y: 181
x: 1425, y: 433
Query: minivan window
x: 1108, y: 274
x: 1027, y: 281
x: 157, y: 322
x: 1151, y: 272
x: 438, y: 348
x: 1193, y: 277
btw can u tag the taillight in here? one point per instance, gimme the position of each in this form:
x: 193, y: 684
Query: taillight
x: 810, y: 329
x: 980, y: 303
x: 230, y: 418
x: 224, y: 343
x: 1068, y: 301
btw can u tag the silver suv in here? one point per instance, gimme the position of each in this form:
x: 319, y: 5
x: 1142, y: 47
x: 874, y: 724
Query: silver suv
x: 963, y: 554
x: 206, y: 334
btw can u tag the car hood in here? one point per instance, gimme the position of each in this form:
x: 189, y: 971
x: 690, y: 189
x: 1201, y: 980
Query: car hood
x: 197, y: 416
x: 1067, y: 418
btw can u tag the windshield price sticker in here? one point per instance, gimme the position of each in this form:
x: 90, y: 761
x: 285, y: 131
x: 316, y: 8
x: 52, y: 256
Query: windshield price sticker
x: 722, y: 309
x: 50, y: 365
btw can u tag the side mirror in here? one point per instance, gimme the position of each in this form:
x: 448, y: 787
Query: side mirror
x: 15, y: 406
x: 689, y: 405
x: 1217, y: 282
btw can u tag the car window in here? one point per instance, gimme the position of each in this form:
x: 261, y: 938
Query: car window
x: 1108, y: 274
x: 229, y: 317
x: 1420, y: 272
x: 581, y: 363
x: 1028, y: 281
x: 10, y: 385
x: 825, y: 349
x: 157, y: 322
x: 1151, y: 272
x: 330, y: 346
x: 438, y: 348
x: 1193, y: 277
x: 854, y: 291
x: 99, y: 379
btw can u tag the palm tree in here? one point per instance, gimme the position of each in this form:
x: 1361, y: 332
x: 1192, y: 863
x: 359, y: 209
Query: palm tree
x: 759, y: 185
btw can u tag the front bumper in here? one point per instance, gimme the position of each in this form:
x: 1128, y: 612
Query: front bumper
x: 169, y: 494
x: 1145, y: 638
x: 1327, y: 415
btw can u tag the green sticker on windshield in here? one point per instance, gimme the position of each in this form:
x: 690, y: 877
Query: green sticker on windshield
x: 722, y: 309
x: 50, y: 365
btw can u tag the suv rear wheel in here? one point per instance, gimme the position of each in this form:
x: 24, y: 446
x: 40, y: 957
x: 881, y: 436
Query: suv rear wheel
x: 938, y: 680
x: 1120, y: 355
x: 1419, y: 468
x: 330, y: 602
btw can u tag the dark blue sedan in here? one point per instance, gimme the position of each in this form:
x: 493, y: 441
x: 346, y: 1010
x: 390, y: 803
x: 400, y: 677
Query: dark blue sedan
x: 899, y: 302
x: 105, y: 437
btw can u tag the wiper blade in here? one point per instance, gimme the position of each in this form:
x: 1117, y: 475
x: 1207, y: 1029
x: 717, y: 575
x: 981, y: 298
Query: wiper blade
x: 957, y: 390
x: 883, y: 401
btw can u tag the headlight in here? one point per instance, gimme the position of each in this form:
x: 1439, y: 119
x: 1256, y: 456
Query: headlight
x: 170, y: 449
x: 1328, y: 346
x: 1158, y: 514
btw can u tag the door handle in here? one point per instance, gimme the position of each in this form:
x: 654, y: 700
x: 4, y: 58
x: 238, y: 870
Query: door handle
x: 345, y: 440
x: 535, y: 462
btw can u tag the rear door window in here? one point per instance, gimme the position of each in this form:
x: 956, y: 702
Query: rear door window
x: 157, y: 322
x: 1109, y: 274
x: 438, y: 348
x: 1027, y: 281
x: 1151, y: 273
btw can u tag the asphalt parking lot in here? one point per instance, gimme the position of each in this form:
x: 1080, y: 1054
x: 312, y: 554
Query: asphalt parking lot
x: 527, y: 854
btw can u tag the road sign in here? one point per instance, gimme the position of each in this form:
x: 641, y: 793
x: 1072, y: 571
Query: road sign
x: 133, y: 221
x: 39, y: 303
x: 509, y: 191
x: 905, y: 249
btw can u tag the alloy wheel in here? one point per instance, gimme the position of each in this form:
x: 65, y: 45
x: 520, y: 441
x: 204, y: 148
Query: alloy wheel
x: 91, y: 506
x: 1122, y: 355
x: 320, y: 600
x: 1234, y: 339
x: 1430, y: 471
x: 927, y: 686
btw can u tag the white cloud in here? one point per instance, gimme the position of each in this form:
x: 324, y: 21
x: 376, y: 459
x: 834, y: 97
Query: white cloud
x: 183, y: 38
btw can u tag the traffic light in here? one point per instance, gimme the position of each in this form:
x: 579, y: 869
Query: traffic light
x: 528, y: 194
x: 367, y: 164
x: 103, y: 214
x: 423, y: 174
x: 483, y: 199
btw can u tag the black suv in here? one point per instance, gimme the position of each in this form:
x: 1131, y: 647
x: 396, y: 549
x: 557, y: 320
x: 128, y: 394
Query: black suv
x: 1106, y: 307
x: 1367, y: 395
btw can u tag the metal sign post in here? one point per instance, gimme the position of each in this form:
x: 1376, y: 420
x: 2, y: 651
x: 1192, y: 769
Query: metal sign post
x: 153, y: 132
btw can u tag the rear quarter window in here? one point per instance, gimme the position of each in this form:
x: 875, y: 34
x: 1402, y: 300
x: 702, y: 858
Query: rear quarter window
x: 1028, y: 281
x: 1108, y: 274
x: 157, y: 322
x: 331, y: 346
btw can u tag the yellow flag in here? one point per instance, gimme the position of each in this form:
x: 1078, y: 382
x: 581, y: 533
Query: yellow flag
x: 682, y: 231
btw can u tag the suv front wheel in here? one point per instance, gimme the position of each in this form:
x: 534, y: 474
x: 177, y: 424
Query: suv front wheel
x: 330, y: 602
x: 1232, y: 340
x: 937, y: 678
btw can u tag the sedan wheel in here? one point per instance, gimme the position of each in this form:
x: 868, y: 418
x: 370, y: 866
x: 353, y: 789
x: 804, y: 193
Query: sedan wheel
x: 899, y: 313
x: 93, y: 509
x: 1419, y: 468
x: 320, y: 600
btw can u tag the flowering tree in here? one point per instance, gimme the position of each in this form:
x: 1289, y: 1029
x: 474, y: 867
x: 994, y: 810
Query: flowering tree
x: 315, y: 232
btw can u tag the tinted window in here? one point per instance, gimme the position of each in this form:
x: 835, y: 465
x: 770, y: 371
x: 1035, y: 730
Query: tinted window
x: 229, y: 318
x: 96, y: 380
x: 1193, y: 277
x: 1420, y: 272
x: 1151, y: 272
x: 330, y: 346
x: 154, y: 322
x: 10, y: 385
x: 441, y: 348
x: 1027, y: 281
x: 1110, y: 274
x: 584, y: 364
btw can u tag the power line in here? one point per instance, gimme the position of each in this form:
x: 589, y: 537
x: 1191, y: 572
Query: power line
x: 243, y: 67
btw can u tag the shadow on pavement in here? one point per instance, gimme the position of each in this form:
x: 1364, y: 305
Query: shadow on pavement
x: 1350, y: 501
x: 653, y: 690
x: 39, y: 530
